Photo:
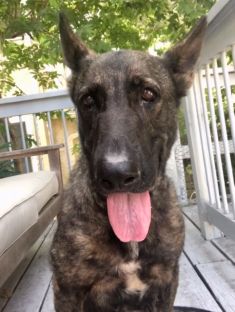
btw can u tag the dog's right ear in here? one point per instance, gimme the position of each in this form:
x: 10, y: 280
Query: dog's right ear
x: 74, y: 49
x: 182, y: 58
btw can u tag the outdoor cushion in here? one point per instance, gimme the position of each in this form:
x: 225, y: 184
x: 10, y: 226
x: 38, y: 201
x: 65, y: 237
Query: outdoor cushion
x: 49, y: 186
x: 22, y: 197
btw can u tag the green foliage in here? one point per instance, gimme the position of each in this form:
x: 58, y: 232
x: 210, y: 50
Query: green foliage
x: 76, y: 149
x: 182, y: 127
x: 7, y: 167
x: 30, y: 141
x: 57, y: 114
x: 135, y: 24
x: 225, y: 110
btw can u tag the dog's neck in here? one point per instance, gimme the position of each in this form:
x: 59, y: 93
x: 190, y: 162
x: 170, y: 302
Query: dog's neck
x: 133, y: 248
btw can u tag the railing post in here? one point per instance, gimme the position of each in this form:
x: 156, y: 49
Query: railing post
x: 180, y: 171
x: 202, y: 175
x: 55, y: 165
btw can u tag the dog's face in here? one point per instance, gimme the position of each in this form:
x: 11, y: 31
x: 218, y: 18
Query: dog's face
x: 127, y: 119
x: 127, y: 102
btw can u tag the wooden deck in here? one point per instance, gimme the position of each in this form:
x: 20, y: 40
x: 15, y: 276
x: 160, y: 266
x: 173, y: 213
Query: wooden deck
x: 207, y: 274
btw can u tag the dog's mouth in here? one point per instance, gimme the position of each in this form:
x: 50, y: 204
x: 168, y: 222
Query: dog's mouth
x: 129, y: 215
x: 124, y: 189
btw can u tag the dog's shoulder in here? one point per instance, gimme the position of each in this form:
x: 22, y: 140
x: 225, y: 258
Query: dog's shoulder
x: 167, y: 219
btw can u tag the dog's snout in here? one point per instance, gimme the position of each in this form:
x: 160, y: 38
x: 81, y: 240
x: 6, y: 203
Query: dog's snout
x: 118, y: 176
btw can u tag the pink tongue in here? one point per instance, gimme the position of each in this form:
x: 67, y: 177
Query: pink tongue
x: 129, y: 215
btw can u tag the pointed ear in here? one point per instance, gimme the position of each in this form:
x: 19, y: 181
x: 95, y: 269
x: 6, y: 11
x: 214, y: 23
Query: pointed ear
x: 74, y: 49
x: 183, y: 57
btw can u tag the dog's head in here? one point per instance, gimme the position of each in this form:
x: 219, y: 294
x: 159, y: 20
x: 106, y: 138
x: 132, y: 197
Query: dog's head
x: 127, y: 103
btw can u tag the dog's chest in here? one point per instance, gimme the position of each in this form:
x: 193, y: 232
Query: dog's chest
x: 129, y: 272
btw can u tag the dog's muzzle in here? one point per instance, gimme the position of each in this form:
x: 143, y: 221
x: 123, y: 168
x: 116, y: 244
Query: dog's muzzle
x: 116, y: 175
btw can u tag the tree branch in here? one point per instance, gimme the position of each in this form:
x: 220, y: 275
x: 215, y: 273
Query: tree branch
x: 13, y: 84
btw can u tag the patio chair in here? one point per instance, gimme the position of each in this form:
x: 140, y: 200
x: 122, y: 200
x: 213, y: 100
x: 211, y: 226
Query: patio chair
x: 28, y: 203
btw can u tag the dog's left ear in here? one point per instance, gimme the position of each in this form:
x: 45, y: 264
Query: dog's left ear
x: 183, y: 57
x: 74, y: 49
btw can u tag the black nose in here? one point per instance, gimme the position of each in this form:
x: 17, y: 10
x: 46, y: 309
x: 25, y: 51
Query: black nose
x: 120, y: 176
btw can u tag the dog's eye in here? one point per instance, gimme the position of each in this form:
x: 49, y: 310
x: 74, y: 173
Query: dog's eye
x: 88, y: 102
x: 148, y: 95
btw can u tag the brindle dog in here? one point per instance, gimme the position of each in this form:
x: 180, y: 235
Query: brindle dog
x: 120, y: 230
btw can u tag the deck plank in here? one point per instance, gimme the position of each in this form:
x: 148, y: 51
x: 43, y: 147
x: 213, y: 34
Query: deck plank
x: 227, y: 246
x: 197, y: 249
x: 191, y: 291
x: 192, y: 213
x: 48, y: 305
x: 31, y: 290
x: 7, y: 290
x: 224, y: 244
x: 220, y: 277
x: 34, y: 292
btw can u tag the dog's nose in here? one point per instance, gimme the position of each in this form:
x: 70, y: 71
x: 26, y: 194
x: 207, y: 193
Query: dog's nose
x: 119, y: 176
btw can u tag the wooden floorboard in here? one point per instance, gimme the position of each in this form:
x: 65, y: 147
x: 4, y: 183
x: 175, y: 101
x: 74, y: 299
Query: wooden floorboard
x: 211, y: 260
x: 226, y: 246
x: 7, y: 290
x: 220, y: 277
x: 197, y: 249
x: 207, y: 277
x: 191, y: 291
x: 31, y: 290
x: 48, y: 305
x: 191, y: 212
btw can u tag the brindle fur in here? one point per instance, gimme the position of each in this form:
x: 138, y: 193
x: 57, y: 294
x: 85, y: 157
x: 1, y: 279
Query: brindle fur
x: 93, y: 270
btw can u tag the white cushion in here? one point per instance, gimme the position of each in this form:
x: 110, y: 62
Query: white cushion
x: 22, y: 197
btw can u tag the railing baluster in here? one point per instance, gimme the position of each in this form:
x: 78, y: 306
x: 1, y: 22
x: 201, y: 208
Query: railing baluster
x: 224, y: 135
x: 66, y: 139
x: 233, y: 55
x: 37, y: 138
x: 180, y: 170
x: 23, y: 141
x: 202, y: 138
x: 197, y: 146
x: 51, y: 136
x: 229, y: 95
x: 209, y: 143
x: 8, y: 135
x: 216, y: 141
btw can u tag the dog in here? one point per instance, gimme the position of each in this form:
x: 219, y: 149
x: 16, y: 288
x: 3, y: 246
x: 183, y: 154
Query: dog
x: 120, y: 230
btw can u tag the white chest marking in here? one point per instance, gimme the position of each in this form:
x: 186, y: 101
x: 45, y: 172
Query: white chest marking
x: 130, y: 273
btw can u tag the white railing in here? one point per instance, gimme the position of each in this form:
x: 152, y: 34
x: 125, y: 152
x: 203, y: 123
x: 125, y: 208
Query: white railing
x: 34, y: 116
x: 209, y: 114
